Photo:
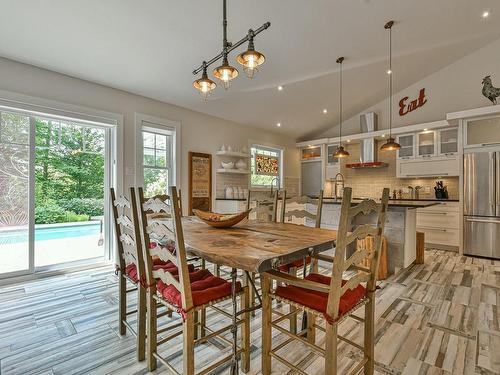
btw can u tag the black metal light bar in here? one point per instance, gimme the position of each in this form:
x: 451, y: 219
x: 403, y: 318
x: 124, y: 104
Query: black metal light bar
x: 227, y: 47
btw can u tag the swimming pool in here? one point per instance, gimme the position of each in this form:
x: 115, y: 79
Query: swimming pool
x: 51, y: 232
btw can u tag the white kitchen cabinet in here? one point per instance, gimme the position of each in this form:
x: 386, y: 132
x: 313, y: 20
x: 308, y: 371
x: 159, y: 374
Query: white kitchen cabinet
x: 230, y: 206
x: 428, y: 167
x: 440, y: 224
x: 482, y: 132
x: 407, y: 142
x: 448, y: 142
x: 426, y: 144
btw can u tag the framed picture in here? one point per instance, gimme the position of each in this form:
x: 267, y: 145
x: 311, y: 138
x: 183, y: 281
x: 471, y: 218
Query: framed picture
x: 200, y: 182
x: 266, y: 165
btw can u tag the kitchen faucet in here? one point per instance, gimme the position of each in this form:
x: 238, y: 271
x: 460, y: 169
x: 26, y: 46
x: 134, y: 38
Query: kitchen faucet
x: 412, y: 192
x: 338, y: 181
x: 417, y: 191
x: 272, y: 184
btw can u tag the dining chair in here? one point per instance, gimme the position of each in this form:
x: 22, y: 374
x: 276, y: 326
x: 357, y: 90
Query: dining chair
x: 333, y: 298
x: 182, y: 291
x: 130, y: 268
x: 302, y: 210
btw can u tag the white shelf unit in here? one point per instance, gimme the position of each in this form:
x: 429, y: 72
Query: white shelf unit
x: 233, y: 154
x: 233, y: 171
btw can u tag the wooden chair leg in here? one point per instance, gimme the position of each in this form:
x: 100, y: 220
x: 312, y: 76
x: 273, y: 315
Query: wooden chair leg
x: 122, y: 303
x: 315, y: 266
x: 293, y: 318
x: 196, y: 325
x: 311, y: 330
x: 151, y: 329
x: 141, y: 323
x: 245, y: 330
x: 217, y: 270
x: 331, y: 349
x: 203, y: 322
x: 188, y: 347
x: 252, y: 293
x: 266, y: 325
x: 369, y: 338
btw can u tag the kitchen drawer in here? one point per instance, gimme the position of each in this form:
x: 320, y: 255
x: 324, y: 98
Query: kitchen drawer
x: 440, y: 236
x: 442, y: 207
x: 438, y: 219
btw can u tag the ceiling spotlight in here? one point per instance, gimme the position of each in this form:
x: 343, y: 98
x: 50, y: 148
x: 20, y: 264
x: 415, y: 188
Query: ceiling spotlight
x: 278, y: 124
x: 486, y: 14
x: 383, y: 135
x: 280, y: 88
x: 348, y: 141
x: 325, y: 111
x: 389, y: 71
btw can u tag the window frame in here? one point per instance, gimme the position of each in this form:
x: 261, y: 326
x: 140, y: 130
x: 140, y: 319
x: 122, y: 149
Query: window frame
x: 281, y: 153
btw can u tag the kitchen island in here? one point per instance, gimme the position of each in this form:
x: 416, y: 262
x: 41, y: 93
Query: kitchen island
x: 400, y: 227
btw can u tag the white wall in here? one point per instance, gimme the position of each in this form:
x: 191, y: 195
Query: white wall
x: 454, y: 88
x: 200, y: 132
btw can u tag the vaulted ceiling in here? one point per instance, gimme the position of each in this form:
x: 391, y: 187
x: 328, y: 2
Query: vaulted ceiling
x: 151, y: 47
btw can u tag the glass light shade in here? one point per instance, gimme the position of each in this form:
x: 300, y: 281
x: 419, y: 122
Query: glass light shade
x: 226, y: 73
x: 251, y: 60
x: 204, y: 85
x: 390, y: 145
x: 340, y: 152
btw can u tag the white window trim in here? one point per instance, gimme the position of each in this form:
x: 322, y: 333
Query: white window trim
x: 162, y: 125
x: 253, y: 143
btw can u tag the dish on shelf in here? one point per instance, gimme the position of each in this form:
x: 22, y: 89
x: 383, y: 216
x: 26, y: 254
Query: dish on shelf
x: 220, y: 220
x: 228, y: 164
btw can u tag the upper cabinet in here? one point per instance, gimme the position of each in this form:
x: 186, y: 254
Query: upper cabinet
x: 407, y: 142
x: 311, y: 153
x: 448, y: 142
x: 330, y: 151
x: 482, y: 132
x: 426, y: 144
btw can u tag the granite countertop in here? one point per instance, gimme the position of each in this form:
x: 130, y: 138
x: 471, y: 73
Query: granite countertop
x: 230, y: 199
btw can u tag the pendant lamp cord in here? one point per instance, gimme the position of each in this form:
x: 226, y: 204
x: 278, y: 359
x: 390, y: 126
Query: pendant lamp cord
x: 340, y: 137
x: 224, y: 28
x: 390, y: 82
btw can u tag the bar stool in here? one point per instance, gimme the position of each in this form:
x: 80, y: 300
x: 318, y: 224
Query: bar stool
x: 182, y: 291
x: 330, y: 299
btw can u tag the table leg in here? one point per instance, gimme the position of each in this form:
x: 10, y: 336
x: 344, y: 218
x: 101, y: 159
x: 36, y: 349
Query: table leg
x: 234, y: 328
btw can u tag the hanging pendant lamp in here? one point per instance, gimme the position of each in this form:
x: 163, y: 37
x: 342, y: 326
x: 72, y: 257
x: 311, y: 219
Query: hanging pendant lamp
x: 226, y: 73
x: 251, y: 59
x: 204, y: 84
x: 340, y: 152
x: 390, y: 144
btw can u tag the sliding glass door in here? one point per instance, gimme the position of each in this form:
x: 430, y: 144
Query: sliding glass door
x: 54, y: 175
x: 15, y: 140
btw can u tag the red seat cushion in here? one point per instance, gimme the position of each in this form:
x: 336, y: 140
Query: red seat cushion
x: 205, y: 288
x: 131, y: 269
x: 297, y: 264
x: 319, y: 300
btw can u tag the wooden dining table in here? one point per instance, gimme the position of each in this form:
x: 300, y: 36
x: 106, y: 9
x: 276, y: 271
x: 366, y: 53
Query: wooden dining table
x: 253, y: 247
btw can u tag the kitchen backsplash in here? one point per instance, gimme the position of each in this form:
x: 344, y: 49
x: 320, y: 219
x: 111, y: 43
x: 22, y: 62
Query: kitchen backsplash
x: 370, y: 182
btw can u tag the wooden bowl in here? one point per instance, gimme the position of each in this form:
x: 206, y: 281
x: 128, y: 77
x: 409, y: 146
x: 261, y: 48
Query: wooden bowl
x: 220, y: 220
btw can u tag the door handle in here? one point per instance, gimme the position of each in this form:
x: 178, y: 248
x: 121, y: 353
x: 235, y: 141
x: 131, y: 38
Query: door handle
x: 490, y: 221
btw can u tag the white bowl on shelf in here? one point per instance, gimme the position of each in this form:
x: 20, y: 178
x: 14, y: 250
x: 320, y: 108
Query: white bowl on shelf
x: 228, y: 165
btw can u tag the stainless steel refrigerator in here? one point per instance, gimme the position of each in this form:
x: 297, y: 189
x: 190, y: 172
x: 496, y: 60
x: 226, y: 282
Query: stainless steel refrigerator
x: 482, y: 204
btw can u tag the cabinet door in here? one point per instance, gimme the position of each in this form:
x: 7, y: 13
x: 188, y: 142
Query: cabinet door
x: 407, y: 143
x: 482, y: 132
x: 330, y: 150
x: 448, y: 141
x: 426, y: 144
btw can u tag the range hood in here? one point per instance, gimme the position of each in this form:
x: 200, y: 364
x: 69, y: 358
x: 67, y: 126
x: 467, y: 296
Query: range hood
x: 368, y: 123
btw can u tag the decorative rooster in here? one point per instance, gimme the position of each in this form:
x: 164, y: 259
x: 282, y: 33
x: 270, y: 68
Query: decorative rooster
x: 489, y: 91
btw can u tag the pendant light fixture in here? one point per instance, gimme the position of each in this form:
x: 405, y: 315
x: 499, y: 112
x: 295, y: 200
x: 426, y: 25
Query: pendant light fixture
x: 204, y: 85
x: 390, y: 144
x: 250, y: 59
x: 340, y: 152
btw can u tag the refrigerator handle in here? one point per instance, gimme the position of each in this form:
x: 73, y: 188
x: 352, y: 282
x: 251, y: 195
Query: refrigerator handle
x: 492, y: 180
x: 497, y: 183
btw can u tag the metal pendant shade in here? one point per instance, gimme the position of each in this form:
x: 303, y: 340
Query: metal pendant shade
x: 390, y: 144
x: 204, y: 85
x: 251, y: 60
x: 226, y: 73
x: 340, y: 152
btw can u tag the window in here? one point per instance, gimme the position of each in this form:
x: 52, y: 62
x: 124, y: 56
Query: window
x: 157, y: 160
x: 270, y: 168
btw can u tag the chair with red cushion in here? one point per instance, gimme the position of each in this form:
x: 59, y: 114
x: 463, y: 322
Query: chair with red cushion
x: 181, y: 289
x: 330, y: 299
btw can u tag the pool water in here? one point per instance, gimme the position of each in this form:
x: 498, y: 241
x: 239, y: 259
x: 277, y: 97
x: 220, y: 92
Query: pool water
x: 50, y: 233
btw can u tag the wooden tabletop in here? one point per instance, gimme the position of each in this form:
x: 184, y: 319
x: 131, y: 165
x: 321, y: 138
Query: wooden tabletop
x: 255, y: 246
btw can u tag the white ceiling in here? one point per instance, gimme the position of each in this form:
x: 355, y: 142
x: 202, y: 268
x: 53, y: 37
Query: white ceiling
x: 150, y: 48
